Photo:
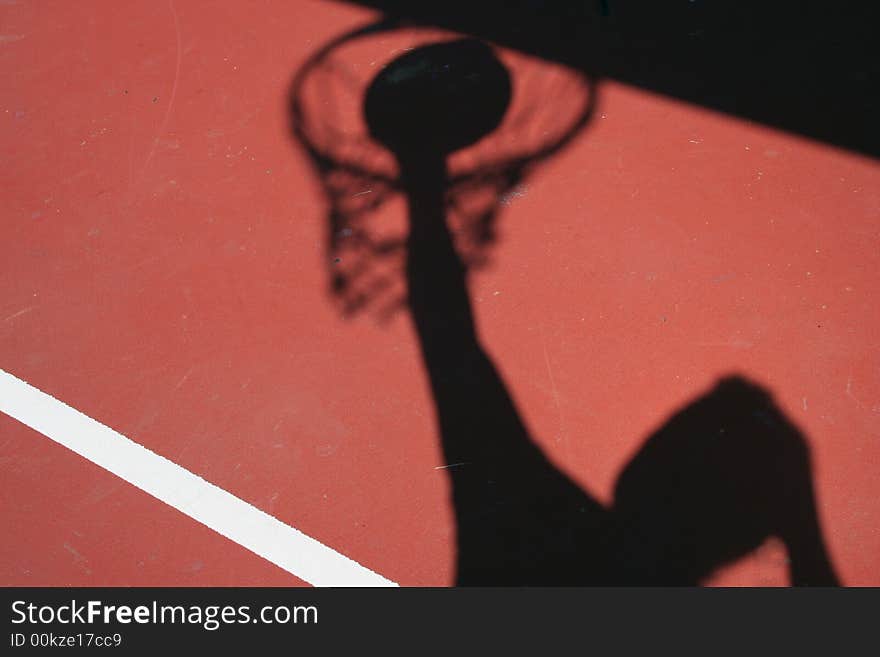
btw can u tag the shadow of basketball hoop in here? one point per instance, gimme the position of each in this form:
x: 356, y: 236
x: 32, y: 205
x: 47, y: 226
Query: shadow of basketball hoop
x: 717, y: 479
x: 545, y: 107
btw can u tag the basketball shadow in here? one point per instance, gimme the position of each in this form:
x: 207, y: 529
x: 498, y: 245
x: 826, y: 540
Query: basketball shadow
x: 717, y: 479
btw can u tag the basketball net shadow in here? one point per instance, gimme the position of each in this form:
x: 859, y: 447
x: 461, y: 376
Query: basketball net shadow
x: 447, y: 121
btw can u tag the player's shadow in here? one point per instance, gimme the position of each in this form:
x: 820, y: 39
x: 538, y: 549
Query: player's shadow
x: 717, y: 479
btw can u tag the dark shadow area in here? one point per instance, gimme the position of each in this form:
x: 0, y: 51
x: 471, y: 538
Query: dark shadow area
x: 717, y: 479
x: 804, y: 66
x: 358, y: 174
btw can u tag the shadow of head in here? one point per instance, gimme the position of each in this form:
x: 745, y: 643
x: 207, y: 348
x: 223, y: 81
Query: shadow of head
x: 711, y: 485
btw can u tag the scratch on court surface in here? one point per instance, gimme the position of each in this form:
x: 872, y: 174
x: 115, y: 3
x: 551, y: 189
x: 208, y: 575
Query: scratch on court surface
x: 19, y: 313
x: 552, y: 384
x: 849, y: 392
x: 167, y: 116
x: 78, y: 558
x: 735, y: 344
x: 184, y: 378
x: 451, y: 465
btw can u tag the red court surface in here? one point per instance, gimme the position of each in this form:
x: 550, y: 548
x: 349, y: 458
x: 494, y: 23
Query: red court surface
x: 163, y: 271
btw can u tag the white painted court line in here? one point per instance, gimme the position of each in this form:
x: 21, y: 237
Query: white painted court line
x: 215, y: 508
